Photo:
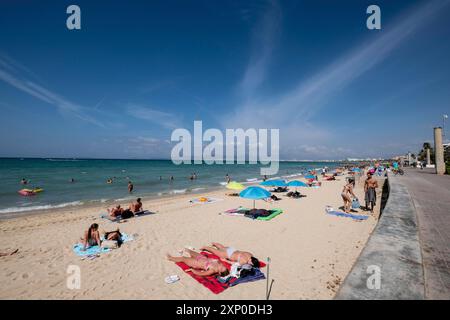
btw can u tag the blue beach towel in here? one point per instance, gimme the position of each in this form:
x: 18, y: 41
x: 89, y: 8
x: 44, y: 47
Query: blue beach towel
x: 92, y: 251
x: 348, y: 215
x: 257, y: 276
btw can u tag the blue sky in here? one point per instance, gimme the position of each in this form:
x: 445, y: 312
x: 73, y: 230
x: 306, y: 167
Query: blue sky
x: 138, y: 69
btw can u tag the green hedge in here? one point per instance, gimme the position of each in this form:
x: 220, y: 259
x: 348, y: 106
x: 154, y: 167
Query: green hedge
x: 447, y: 167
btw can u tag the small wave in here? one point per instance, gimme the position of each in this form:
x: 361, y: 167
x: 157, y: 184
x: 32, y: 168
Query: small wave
x: 179, y: 191
x: 223, y: 183
x: 198, y: 189
x: 64, y: 160
x: 252, y: 180
x: 43, y: 207
x: 124, y: 199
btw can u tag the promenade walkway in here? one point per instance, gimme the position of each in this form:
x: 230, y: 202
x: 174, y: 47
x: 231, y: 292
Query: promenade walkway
x: 431, y: 198
x: 410, y: 245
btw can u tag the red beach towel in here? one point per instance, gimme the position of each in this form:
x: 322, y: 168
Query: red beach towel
x: 211, y: 282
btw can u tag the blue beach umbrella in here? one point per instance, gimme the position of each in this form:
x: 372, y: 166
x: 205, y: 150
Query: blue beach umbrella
x: 296, y: 183
x: 255, y: 193
x: 310, y: 176
x: 356, y: 170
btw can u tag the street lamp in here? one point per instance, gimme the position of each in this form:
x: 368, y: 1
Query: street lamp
x: 444, y: 117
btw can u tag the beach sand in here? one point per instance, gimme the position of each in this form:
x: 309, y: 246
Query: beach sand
x: 311, y: 252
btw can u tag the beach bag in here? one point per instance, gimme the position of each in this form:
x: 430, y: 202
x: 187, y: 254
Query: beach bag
x: 355, y: 204
x: 110, y: 244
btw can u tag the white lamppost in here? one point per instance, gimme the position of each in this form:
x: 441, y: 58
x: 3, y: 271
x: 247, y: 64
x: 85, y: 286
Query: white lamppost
x: 444, y: 117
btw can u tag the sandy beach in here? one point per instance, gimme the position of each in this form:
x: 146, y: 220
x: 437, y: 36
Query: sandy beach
x: 311, y: 252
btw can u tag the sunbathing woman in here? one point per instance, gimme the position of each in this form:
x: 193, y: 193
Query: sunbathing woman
x: 91, y: 237
x: 232, y: 255
x: 196, y: 260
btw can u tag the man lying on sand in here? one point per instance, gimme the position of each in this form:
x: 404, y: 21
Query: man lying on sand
x: 115, y: 212
x: 232, y: 255
x: 201, y: 265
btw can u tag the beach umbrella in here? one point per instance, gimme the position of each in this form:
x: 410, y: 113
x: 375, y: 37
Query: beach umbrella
x: 356, y: 170
x: 296, y: 183
x: 254, y: 193
x: 233, y: 185
x: 274, y: 183
x: 310, y: 176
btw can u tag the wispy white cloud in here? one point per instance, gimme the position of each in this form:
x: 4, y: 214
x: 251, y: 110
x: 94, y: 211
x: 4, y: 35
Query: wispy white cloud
x: 160, y: 118
x: 9, y: 73
x: 309, y: 95
x: 264, y: 37
x: 293, y: 110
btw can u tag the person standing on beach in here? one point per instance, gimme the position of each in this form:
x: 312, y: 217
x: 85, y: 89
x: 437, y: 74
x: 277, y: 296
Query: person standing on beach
x: 370, y: 186
x: 347, y: 194
x: 130, y: 187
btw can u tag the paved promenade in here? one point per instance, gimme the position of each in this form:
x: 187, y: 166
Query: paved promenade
x: 431, y: 198
x: 410, y: 245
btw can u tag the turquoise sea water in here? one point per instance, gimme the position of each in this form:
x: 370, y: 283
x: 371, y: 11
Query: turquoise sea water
x: 54, y: 175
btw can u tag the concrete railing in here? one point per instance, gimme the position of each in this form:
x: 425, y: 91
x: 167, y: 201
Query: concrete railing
x: 390, y: 265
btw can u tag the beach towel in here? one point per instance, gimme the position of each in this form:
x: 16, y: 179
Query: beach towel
x: 91, y: 251
x: 262, y: 216
x: 119, y: 218
x: 204, y: 200
x: 273, y: 214
x: 348, y: 215
x: 95, y: 250
x: 212, y: 282
x: 244, y: 212
x: 236, y: 212
x: 250, y: 278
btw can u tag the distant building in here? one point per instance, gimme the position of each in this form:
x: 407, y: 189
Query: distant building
x: 447, y: 152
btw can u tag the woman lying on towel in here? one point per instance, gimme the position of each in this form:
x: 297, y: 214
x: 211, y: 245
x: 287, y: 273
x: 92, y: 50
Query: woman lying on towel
x: 232, y: 255
x: 197, y: 261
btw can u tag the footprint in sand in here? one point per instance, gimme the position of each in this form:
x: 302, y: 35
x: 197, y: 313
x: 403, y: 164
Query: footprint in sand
x: 26, y: 275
